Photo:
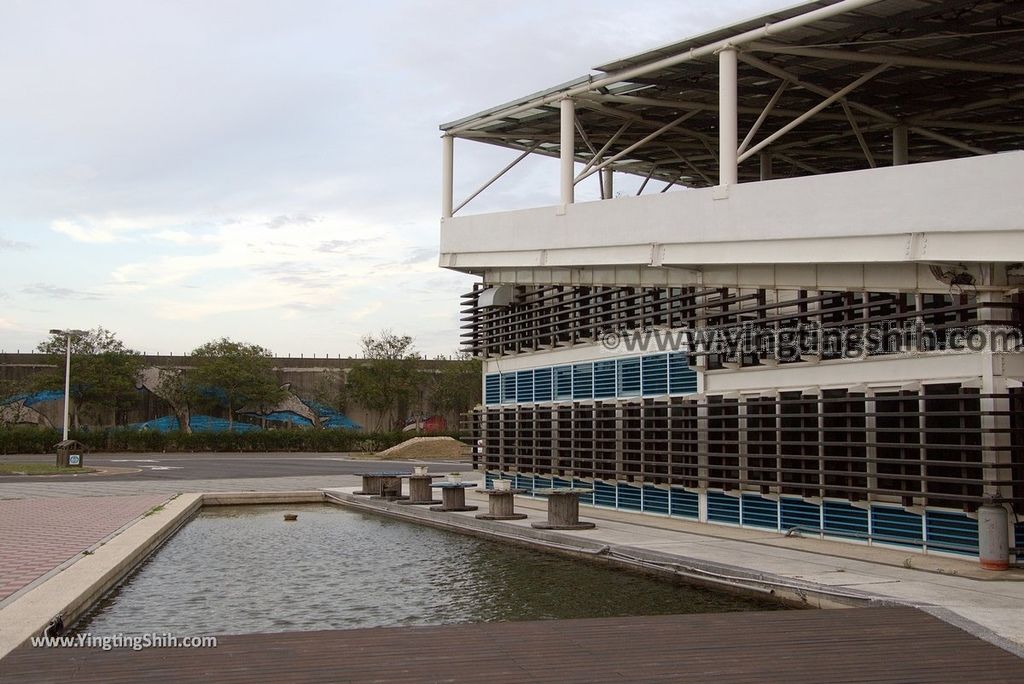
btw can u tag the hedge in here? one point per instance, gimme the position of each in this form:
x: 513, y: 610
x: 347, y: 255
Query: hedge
x: 33, y: 440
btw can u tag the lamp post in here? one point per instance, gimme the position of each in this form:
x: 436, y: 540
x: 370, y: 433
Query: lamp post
x: 67, y: 372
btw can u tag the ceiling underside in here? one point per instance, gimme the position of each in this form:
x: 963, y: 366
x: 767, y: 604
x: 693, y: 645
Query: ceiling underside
x: 955, y: 79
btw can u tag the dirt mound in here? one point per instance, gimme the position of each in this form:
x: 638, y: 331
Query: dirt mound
x: 427, y: 449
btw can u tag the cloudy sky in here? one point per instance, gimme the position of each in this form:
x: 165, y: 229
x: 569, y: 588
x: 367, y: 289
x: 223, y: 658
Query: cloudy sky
x: 269, y: 170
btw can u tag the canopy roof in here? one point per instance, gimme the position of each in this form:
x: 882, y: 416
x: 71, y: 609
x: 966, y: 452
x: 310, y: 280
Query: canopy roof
x: 950, y: 71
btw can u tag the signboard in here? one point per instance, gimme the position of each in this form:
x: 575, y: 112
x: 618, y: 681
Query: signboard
x: 74, y: 459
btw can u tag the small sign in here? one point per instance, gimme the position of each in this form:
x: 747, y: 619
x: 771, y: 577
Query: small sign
x: 74, y: 459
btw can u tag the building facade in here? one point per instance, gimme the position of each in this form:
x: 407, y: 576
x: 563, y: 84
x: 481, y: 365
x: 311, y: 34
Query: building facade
x: 805, y: 313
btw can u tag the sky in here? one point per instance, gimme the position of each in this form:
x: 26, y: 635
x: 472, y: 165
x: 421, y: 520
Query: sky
x: 269, y: 171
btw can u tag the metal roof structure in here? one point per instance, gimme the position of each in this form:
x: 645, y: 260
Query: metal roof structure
x: 822, y: 87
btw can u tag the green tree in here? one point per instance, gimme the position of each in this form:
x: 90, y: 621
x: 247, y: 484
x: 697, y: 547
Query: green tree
x: 232, y: 374
x: 389, y: 378
x: 104, y: 373
x: 456, y: 386
x: 177, y: 389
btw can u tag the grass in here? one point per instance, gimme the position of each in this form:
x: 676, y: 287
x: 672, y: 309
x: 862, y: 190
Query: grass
x: 41, y: 469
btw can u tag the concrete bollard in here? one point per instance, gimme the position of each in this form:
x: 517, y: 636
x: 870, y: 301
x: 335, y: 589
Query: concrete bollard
x: 993, y: 538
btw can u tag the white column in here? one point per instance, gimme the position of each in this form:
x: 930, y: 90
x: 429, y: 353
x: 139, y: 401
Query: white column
x: 727, y: 117
x: 606, y: 183
x: 765, y: 158
x: 568, y: 148
x: 899, y: 145
x: 447, y: 175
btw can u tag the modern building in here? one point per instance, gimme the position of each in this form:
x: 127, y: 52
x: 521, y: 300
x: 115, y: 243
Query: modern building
x: 807, y: 317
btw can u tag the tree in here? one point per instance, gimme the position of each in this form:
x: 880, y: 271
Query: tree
x: 175, y: 387
x: 232, y: 374
x: 104, y: 373
x: 456, y: 386
x: 389, y: 378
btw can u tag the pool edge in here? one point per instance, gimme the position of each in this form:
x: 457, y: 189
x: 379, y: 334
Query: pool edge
x: 75, y: 588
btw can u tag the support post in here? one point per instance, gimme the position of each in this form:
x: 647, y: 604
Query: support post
x: 67, y: 387
x: 447, y: 175
x: 728, y: 124
x: 765, y: 158
x: 899, y: 145
x: 567, y: 152
x: 608, y: 189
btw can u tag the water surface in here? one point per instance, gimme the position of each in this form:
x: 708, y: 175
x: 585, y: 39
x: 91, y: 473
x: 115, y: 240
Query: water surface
x: 237, y: 569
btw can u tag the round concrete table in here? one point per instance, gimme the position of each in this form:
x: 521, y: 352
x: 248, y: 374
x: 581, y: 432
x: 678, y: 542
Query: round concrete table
x: 501, y: 505
x: 419, y: 490
x: 453, y: 496
x: 563, y: 509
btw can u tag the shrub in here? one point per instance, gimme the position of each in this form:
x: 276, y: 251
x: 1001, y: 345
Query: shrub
x: 34, y: 440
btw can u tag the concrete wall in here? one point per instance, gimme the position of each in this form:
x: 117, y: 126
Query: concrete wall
x: 307, y: 377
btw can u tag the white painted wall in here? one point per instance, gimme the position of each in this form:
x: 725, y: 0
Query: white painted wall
x: 968, y: 209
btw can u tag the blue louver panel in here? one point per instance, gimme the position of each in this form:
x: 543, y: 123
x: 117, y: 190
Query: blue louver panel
x: 629, y: 377
x: 722, y: 508
x: 604, y: 379
x: 563, y: 382
x: 492, y: 388
x: 524, y: 386
x: 542, y: 384
x: 952, y: 532
x: 890, y: 525
x: 541, y: 483
x: 685, y: 504
x: 681, y: 378
x: 799, y: 513
x: 583, y: 381
x: 489, y: 479
x: 655, y: 375
x: 1018, y: 532
x: 524, y: 482
x: 655, y: 500
x: 508, y: 388
x: 559, y: 482
x: 844, y: 520
x: 629, y: 497
x: 583, y: 484
x: 604, y: 494
x: 758, y: 512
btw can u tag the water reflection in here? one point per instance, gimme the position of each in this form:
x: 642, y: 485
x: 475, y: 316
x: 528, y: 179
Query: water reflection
x: 237, y: 569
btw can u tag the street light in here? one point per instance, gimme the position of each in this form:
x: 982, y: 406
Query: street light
x: 67, y: 372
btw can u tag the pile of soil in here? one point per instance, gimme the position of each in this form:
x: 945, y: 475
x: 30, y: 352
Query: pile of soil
x: 427, y: 449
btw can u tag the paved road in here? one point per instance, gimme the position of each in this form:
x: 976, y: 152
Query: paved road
x: 210, y: 466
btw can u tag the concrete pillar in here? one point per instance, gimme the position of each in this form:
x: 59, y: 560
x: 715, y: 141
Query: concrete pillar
x: 447, y: 175
x: 728, y: 123
x: 567, y: 154
x: 607, y: 180
x: 899, y: 145
x: 993, y: 540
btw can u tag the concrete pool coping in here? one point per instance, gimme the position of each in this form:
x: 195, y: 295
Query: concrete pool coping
x: 706, y: 560
x: 72, y: 588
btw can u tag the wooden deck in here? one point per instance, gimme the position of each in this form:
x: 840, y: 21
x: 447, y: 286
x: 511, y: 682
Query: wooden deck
x: 856, y: 645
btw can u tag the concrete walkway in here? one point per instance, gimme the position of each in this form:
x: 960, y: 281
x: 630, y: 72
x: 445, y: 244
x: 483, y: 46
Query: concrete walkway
x: 29, y: 490
x: 38, y: 536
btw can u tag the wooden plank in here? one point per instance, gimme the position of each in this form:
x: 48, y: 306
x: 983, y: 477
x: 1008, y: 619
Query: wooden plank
x: 855, y: 645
